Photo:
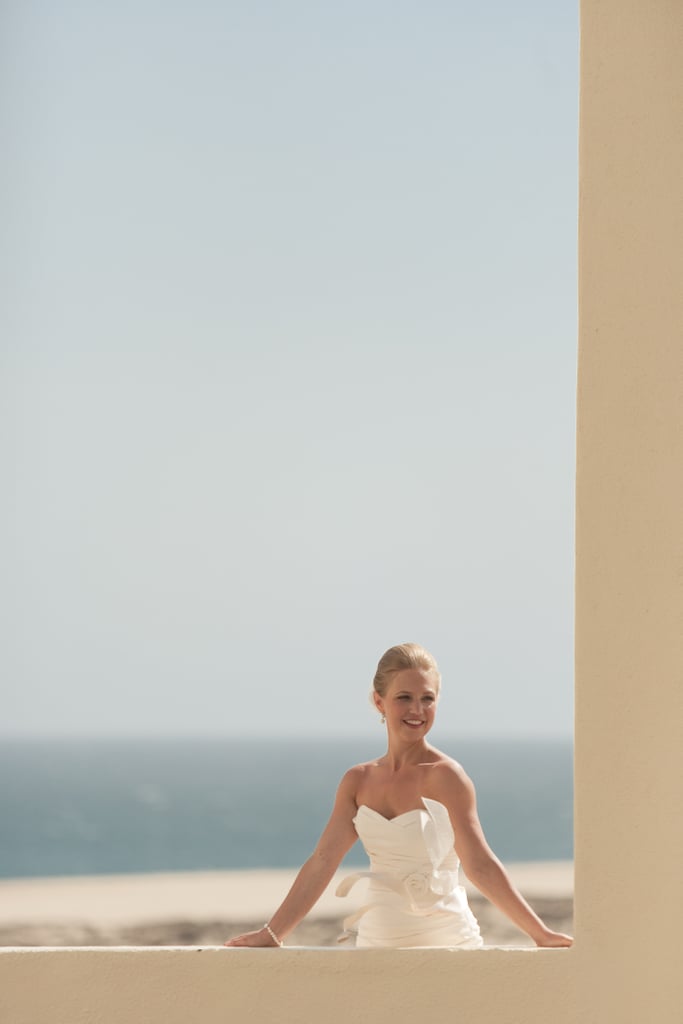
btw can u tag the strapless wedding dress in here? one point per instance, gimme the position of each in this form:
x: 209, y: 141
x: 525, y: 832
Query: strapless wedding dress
x: 414, y: 897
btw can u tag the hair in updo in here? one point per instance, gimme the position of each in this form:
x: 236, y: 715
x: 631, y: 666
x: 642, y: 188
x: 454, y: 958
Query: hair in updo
x: 399, y: 658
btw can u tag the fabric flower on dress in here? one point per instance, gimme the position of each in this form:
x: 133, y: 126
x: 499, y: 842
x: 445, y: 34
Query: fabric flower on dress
x: 417, y: 886
x: 424, y: 890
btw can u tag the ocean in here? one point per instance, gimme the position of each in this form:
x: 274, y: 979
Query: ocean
x: 89, y: 807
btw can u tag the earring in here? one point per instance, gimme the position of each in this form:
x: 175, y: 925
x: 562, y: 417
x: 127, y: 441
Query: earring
x: 382, y: 718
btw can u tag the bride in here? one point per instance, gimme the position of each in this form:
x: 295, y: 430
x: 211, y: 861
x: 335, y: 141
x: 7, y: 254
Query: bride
x: 414, y: 809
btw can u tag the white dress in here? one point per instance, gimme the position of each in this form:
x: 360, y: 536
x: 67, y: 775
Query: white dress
x: 415, y: 897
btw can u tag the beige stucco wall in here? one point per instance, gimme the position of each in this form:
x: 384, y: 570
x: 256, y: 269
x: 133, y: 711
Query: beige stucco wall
x: 625, y: 966
x: 284, y: 986
x: 629, y: 584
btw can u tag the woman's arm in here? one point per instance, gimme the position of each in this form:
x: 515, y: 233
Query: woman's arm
x: 337, y: 839
x: 481, y: 865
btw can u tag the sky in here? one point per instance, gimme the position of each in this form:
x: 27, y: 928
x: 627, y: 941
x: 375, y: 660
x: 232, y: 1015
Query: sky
x: 288, y: 369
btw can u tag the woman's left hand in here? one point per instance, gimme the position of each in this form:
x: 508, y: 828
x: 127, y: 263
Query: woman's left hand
x: 554, y: 940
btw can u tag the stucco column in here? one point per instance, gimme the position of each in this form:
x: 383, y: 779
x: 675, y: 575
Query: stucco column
x: 629, y: 626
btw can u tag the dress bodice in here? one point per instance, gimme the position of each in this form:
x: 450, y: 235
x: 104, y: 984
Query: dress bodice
x: 415, y: 893
x: 420, y: 840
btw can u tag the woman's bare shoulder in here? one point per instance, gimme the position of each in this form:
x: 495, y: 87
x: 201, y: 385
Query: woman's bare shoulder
x: 357, y: 773
x: 449, y: 778
x: 362, y: 770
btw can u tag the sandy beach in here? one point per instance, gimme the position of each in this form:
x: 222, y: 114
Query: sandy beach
x: 205, y: 908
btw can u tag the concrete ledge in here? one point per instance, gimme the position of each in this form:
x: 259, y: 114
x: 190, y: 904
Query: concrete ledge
x: 212, y: 985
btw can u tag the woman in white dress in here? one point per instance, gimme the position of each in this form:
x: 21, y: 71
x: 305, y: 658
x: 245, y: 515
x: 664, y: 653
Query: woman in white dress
x: 414, y: 809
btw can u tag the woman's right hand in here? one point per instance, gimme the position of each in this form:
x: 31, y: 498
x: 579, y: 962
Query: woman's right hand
x: 253, y: 939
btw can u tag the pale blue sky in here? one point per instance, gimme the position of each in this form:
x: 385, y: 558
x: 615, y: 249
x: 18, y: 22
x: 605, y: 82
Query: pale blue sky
x: 289, y: 362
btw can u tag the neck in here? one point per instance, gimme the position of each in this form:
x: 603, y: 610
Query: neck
x: 405, y: 755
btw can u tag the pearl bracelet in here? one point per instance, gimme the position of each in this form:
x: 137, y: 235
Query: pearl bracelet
x: 272, y: 934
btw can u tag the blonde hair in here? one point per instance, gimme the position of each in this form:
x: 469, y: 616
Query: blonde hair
x: 399, y: 658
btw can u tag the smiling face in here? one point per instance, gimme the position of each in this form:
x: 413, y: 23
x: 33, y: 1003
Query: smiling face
x: 409, y: 702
